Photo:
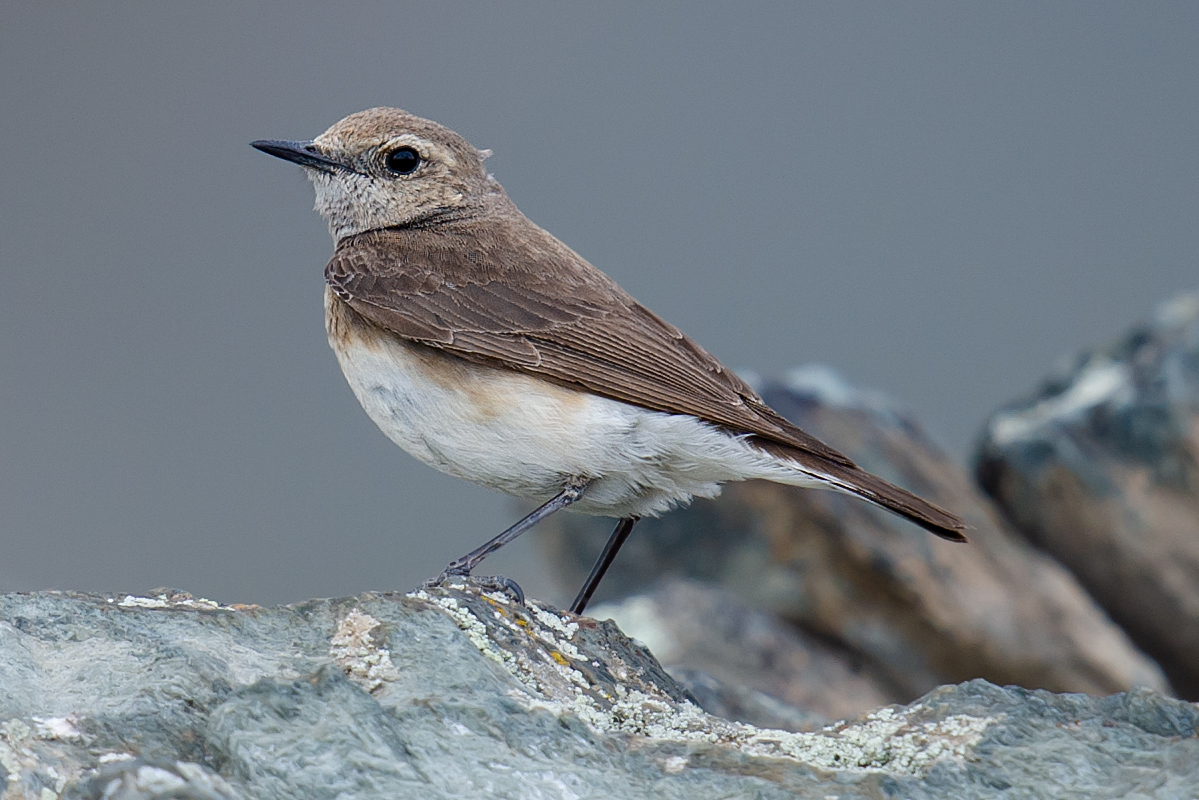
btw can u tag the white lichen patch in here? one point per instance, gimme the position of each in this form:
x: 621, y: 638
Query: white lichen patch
x: 657, y: 717
x: 675, y: 764
x: 888, y: 740
x: 56, y: 728
x: 555, y: 632
x: 498, y: 597
x: 550, y: 620
x: 108, y: 758
x: 353, y: 648
x: 163, y: 601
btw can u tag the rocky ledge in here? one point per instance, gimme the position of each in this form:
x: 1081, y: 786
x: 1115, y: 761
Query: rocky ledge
x: 458, y: 693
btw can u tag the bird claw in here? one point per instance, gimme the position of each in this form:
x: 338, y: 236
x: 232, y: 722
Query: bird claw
x: 494, y: 583
x: 502, y: 583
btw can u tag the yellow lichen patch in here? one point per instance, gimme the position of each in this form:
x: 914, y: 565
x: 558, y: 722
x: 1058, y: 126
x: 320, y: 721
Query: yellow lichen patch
x: 561, y: 659
x: 499, y: 610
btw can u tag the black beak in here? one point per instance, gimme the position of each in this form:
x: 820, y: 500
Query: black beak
x: 303, y: 153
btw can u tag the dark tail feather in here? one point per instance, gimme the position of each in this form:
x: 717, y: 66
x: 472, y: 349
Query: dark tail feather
x: 855, y: 481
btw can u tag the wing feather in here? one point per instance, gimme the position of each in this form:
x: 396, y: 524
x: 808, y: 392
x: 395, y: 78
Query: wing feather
x: 512, y: 296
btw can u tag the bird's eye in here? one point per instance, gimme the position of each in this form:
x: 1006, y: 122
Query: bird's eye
x: 402, y: 161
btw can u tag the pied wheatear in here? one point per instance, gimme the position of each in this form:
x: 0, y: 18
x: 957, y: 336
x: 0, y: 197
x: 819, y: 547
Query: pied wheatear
x: 490, y: 350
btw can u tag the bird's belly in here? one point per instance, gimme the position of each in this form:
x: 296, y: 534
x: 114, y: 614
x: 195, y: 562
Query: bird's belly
x: 525, y: 436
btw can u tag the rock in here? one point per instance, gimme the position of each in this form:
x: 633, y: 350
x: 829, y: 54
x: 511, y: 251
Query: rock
x: 134, y: 779
x: 737, y: 702
x: 917, y: 610
x: 455, y: 693
x: 742, y: 663
x: 1100, y: 467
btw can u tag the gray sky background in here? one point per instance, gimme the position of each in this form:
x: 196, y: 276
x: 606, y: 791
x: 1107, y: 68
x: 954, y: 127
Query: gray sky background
x: 940, y: 200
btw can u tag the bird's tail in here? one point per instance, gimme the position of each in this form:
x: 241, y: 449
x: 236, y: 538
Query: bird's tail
x: 851, y: 479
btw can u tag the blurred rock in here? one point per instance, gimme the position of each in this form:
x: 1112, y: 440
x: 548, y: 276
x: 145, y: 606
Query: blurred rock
x: 1100, y: 467
x: 742, y: 663
x: 918, y: 611
x: 455, y: 693
x: 739, y: 703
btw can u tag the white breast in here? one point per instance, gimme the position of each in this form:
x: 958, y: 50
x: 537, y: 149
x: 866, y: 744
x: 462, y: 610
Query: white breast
x: 528, y: 437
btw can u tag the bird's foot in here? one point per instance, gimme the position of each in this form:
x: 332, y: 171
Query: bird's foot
x: 492, y: 583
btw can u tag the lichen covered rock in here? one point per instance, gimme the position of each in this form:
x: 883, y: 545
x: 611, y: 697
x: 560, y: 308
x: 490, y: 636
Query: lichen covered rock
x: 457, y: 693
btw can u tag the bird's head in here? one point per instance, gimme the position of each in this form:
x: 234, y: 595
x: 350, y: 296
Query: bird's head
x: 384, y: 167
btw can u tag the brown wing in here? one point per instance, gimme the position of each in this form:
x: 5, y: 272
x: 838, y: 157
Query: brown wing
x: 511, y: 295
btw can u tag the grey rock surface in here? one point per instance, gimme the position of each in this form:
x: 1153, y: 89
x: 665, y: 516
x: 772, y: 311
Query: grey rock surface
x: 916, y: 610
x: 455, y: 693
x: 742, y: 663
x: 1100, y: 467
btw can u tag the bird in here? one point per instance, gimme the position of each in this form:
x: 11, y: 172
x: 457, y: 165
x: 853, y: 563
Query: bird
x: 488, y: 349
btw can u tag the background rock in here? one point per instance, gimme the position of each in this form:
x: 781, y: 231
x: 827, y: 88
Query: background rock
x: 917, y: 610
x: 744, y: 664
x: 458, y: 694
x: 1100, y: 467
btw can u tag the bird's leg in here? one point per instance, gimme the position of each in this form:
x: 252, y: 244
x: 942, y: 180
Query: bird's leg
x: 463, y: 566
x: 623, y: 529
